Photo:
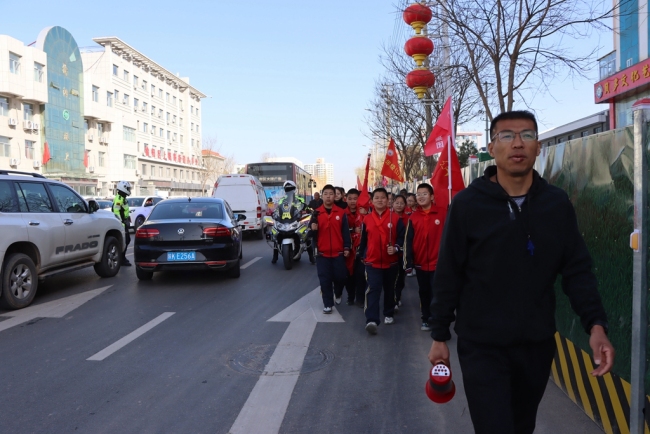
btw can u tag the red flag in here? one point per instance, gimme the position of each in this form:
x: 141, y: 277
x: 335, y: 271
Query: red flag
x: 86, y: 158
x: 391, y: 165
x: 46, y: 153
x: 443, y: 129
x: 364, y: 197
x: 359, y: 186
x: 445, y: 187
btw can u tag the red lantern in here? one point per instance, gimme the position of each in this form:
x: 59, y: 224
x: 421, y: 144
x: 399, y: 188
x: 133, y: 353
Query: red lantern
x: 419, y: 47
x: 417, y: 16
x: 420, y: 80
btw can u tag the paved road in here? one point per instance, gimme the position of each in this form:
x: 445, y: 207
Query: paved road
x: 183, y: 353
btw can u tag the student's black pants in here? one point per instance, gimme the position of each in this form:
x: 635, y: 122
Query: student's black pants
x: 331, y: 274
x: 378, y: 279
x: 355, y: 284
x: 425, y: 284
x: 504, y: 385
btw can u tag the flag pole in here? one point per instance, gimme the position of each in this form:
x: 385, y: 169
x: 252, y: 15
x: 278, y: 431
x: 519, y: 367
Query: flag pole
x: 448, y: 165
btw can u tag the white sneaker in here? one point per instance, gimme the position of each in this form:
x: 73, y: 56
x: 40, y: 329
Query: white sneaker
x: 327, y: 310
x: 396, y: 307
x: 399, y: 303
x: 389, y: 320
x: 371, y: 328
x: 337, y: 300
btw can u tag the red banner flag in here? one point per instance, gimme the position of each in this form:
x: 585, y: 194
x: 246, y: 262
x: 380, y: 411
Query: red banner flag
x: 46, y: 153
x: 359, y: 185
x: 86, y: 158
x: 443, y: 129
x: 364, y: 197
x: 445, y: 187
x: 391, y: 165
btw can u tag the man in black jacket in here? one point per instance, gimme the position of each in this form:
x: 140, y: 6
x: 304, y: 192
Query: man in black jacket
x: 506, y: 239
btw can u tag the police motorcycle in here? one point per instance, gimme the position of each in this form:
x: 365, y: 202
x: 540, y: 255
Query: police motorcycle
x: 288, y: 230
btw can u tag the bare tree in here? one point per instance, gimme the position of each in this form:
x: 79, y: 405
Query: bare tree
x: 212, y: 163
x: 516, y: 48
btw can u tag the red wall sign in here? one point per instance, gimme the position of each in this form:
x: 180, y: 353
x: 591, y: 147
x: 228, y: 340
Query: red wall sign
x: 622, y: 82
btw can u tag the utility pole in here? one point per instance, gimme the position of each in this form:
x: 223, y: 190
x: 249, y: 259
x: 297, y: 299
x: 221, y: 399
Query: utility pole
x: 487, y: 130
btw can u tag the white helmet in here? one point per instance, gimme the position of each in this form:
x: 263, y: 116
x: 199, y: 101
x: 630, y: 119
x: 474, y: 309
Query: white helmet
x: 124, y: 187
x: 289, y: 186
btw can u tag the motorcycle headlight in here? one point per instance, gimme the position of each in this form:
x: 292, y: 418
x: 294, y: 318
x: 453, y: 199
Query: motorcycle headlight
x: 294, y: 225
x: 280, y: 226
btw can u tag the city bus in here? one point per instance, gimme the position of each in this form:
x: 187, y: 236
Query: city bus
x: 273, y: 175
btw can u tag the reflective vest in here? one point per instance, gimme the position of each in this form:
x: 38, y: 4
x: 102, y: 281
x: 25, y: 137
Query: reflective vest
x: 119, y: 204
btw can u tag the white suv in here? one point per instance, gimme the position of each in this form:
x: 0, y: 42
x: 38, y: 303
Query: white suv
x: 49, y: 229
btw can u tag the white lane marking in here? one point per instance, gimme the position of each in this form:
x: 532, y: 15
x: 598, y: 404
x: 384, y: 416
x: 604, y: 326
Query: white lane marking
x: 249, y: 263
x: 267, y: 404
x: 130, y: 337
x: 52, y: 309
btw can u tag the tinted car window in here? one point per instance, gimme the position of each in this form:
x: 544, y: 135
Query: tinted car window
x: 32, y: 197
x: 67, y: 200
x: 156, y: 200
x: 190, y: 210
x: 7, y: 202
x: 105, y: 204
x: 135, y: 201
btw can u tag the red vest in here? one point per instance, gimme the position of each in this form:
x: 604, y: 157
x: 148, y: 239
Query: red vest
x: 426, y: 236
x: 380, y: 232
x: 330, y: 236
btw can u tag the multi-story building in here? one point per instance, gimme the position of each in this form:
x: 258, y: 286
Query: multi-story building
x: 23, y: 93
x: 94, y: 116
x: 148, y: 117
x: 625, y: 72
x: 321, y: 170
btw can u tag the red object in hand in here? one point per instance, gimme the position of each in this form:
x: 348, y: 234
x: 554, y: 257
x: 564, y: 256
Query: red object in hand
x: 440, y: 388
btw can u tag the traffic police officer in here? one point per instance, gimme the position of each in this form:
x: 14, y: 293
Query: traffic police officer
x: 121, y: 210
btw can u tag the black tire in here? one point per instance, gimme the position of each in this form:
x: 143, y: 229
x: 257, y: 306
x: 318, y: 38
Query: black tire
x: 260, y: 234
x: 241, y: 253
x: 109, y: 264
x: 143, y: 275
x: 139, y: 221
x: 19, y: 281
x: 287, y: 256
x: 235, y: 271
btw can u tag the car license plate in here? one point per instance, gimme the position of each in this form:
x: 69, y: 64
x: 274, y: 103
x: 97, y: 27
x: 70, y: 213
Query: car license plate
x: 181, y: 256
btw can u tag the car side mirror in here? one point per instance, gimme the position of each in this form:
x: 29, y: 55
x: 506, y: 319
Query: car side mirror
x: 241, y: 217
x: 93, y: 206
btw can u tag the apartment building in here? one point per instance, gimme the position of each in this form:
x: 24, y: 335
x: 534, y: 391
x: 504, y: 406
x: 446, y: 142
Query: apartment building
x: 321, y: 170
x: 93, y: 116
x: 23, y: 93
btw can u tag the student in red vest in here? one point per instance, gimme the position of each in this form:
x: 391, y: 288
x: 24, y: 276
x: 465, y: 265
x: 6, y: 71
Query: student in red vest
x: 411, y: 202
x: 356, y: 281
x: 329, y: 225
x: 399, y: 204
x: 381, y: 240
x: 421, y: 246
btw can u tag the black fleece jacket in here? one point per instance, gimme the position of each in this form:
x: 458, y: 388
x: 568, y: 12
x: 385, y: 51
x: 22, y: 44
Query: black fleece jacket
x: 501, y: 293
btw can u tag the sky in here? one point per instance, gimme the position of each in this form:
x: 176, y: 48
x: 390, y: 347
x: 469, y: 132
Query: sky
x: 285, y: 77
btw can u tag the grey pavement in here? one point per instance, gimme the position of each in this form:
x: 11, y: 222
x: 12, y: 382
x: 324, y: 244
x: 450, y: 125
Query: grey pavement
x: 195, y: 370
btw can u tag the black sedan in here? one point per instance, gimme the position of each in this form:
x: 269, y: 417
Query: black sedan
x: 189, y: 234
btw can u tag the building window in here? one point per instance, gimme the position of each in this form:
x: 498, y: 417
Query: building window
x: 174, y: 119
x: 126, y: 75
x: 174, y: 101
x: 153, y: 170
x: 28, y: 112
x: 197, y: 111
x: 181, y: 138
x: 168, y: 172
x: 180, y: 122
x: 571, y: 137
x: 144, y: 107
x: 135, y: 80
x: 128, y: 134
x: 192, y: 109
x: 145, y: 127
x: 129, y: 161
x: 169, y: 133
x: 4, y: 106
x: 180, y: 102
x: 197, y: 128
x: 192, y: 142
x: 168, y: 115
x: 153, y: 110
x: 95, y: 94
x: 14, y: 63
x: 100, y: 158
x: 117, y: 96
x: 29, y: 149
x: 160, y: 92
x: 167, y: 97
x: 192, y: 127
x: 144, y: 85
x: 126, y: 99
x: 86, y: 125
x: 5, y: 147
x: 109, y: 99
x: 136, y: 103
x: 100, y: 128
x: 144, y: 169
x: 584, y: 134
x: 598, y: 130
x: 175, y: 173
x: 160, y: 113
x: 115, y: 70
x: 38, y: 72
x: 174, y: 136
x: 161, y: 132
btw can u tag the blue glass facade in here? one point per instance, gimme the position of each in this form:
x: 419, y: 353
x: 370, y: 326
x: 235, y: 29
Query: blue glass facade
x: 629, y: 38
x: 63, y: 116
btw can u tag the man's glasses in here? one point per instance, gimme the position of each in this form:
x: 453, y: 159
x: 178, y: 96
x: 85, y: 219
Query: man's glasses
x: 508, y: 136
